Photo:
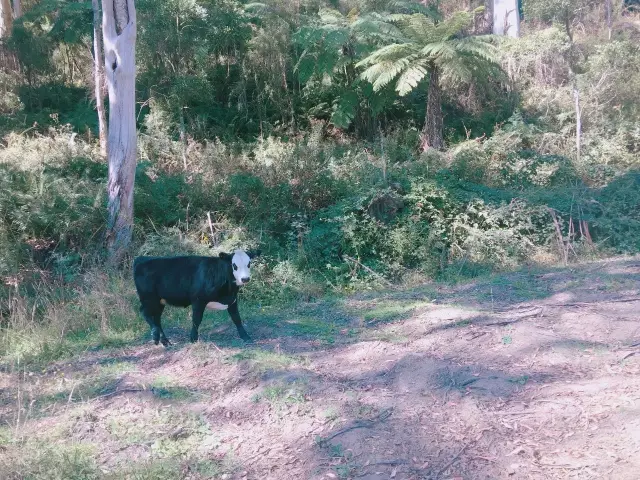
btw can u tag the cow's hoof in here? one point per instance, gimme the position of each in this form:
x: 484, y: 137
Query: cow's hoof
x: 165, y: 341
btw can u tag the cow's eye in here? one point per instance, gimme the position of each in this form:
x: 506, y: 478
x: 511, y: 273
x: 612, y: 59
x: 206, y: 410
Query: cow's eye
x: 249, y: 265
x: 235, y: 267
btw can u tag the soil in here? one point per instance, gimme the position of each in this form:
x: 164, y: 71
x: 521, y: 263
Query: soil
x: 530, y: 375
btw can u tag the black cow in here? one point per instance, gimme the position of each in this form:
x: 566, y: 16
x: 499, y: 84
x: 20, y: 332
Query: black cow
x: 202, y: 282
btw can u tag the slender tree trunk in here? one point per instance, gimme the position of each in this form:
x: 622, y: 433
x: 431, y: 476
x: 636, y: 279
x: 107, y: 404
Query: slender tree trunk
x: 98, y: 73
x: 6, y: 18
x: 432, y: 132
x: 119, y: 30
x: 17, y: 9
x: 576, y: 96
x: 506, y: 18
x: 609, y: 19
x: 567, y: 25
x: 183, y: 139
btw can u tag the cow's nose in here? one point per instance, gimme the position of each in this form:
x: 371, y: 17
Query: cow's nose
x: 245, y: 279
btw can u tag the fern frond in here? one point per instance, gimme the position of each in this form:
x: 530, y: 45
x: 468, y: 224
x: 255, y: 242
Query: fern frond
x: 330, y: 16
x: 472, y: 46
x: 381, y: 74
x: 389, y: 53
x: 257, y: 8
x: 344, y: 109
x: 416, y: 27
x: 410, y: 78
x: 454, y: 71
x: 453, y: 25
x: 376, y: 26
x: 442, y: 50
x: 334, y: 36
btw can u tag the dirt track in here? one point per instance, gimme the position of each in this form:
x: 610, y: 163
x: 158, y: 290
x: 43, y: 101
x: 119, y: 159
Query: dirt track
x: 524, y: 376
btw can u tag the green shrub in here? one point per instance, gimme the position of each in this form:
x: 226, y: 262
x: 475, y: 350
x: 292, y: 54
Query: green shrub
x: 615, y: 211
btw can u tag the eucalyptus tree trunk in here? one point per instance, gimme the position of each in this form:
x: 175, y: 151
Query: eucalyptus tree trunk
x: 17, y: 9
x: 6, y: 19
x: 607, y: 5
x: 432, y: 132
x: 576, y: 97
x: 506, y: 18
x: 119, y: 30
x: 98, y: 74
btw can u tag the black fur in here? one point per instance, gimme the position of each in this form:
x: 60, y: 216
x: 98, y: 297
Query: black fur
x: 184, y: 281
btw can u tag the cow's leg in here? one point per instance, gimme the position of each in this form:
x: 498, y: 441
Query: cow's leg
x: 235, y: 316
x: 197, y: 310
x: 163, y: 338
x: 149, y: 313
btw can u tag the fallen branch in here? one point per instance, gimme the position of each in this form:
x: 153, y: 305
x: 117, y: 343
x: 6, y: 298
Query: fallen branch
x: 116, y: 392
x: 630, y: 354
x: 588, y: 304
x: 517, y: 319
x: 478, y: 335
x: 501, y: 324
x: 528, y: 412
x: 387, y: 463
x: 375, y: 274
x: 567, y: 467
x: 359, y: 424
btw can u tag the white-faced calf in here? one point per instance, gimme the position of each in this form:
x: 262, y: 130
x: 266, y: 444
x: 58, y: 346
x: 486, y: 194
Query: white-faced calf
x: 202, y: 282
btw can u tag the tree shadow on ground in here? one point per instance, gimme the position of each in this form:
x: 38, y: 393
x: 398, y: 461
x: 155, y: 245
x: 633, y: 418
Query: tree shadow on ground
x: 327, y: 389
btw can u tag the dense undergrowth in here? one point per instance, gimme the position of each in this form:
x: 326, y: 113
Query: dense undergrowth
x: 330, y: 216
x: 333, y: 209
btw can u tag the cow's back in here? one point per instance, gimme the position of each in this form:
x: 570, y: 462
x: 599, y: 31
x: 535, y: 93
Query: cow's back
x: 175, y: 279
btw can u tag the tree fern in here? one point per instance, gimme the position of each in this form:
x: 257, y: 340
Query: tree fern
x: 410, y: 78
x: 417, y: 43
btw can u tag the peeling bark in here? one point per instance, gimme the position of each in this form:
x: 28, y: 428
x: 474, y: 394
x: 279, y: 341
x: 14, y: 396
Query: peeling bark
x: 506, y: 18
x: 6, y: 18
x: 98, y: 74
x: 119, y: 31
x: 17, y: 9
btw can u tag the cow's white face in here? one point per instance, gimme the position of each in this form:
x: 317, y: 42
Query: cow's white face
x: 241, y: 265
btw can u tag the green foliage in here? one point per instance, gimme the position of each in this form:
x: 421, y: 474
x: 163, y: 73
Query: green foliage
x: 47, y: 25
x: 181, y: 47
x: 293, y: 128
x: 70, y: 461
x: 419, y: 43
x: 616, y: 213
x: 562, y: 11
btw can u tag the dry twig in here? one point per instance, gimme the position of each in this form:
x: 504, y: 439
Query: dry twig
x: 360, y: 424
x: 375, y: 274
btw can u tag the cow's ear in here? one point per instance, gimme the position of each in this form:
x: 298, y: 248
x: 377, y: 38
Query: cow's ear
x: 254, y: 253
x: 225, y: 256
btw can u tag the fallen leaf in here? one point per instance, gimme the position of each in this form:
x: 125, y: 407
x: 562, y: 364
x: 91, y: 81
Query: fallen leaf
x: 393, y: 472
